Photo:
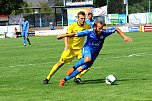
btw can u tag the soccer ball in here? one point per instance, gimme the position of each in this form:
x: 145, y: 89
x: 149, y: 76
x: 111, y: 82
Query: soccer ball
x: 110, y: 79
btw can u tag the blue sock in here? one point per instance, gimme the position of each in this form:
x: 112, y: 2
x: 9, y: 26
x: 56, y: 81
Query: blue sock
x: 72, y: 75
x: 76, y: 72
x: 24, y: 41
x: 85, y: 66
x: 79, y: 63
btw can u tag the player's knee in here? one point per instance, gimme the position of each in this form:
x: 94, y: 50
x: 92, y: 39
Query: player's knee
x: 59, y: 64
x: 87, y: 59
x: 79, y: 69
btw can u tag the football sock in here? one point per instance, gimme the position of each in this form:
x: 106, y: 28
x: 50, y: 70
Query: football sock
x: 53, y: 70
x: 82, y: 73
x: 29, y: 41
x: 72, y: 75
x: 24, y: 41
x: 70, y: 70
x: 79, y: 63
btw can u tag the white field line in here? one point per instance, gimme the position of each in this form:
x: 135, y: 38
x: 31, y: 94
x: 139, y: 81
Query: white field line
x: 117, y: 57
x: 24, y: 65
x: 129, y: 56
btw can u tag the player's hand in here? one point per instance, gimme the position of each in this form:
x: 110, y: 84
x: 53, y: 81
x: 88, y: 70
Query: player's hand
x: 59, y: 36
x: 127, y: 39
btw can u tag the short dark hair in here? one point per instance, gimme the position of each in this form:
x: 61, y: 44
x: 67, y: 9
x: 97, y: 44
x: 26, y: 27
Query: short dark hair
x: 81, y: 13
x: 90, y: 14
x: 95, y: 24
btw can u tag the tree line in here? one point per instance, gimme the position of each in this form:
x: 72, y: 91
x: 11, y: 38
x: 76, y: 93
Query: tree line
x: 117, y: 6
x: 114, y: 6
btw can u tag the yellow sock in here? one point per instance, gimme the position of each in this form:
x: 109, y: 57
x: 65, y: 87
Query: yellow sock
x: 53, y: 70
x: 82, y: 73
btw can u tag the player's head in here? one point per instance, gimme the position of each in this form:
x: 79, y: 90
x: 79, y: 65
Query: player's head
x: 23, y: 19
x: 98, y: 26
x: 90, y: 15
x: 81, y: 18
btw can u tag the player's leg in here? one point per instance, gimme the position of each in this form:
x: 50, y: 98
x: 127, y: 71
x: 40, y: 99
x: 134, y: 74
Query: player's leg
x: 73, y: 74
x: 79, y: 69
x: 24, y: 38
x: 28, y: 40
x: 24, y: 41
x: 85, y: 59
x: 66, y: 57
x: 53, y: 70
x: 77, y: 79
x: 79, y: 63
x: 82, y: 73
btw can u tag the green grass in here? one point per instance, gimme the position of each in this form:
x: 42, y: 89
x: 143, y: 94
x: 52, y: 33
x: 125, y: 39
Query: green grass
x: 22, y: 70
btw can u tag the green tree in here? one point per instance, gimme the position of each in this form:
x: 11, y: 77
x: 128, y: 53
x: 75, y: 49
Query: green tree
x: 45, y: 7
x: 58, y: 2
x: 116, y: 6
x: 27, y: 8
x: 10, y: 6
x: 99, y: 3
x: 138, y: 6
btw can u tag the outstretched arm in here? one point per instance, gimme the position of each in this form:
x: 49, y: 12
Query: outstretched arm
x: 60, y: 36
x: 66, y: 43
x: 126, y: 38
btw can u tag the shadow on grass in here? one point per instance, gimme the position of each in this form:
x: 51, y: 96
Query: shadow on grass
x: 116, y: 83
x: 93, y: 81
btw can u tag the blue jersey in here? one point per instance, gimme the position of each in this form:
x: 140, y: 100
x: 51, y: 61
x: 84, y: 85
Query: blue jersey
x: 24, y: 25
x: 90, y: 22
x: 52, y: 27
x: 94, y: 43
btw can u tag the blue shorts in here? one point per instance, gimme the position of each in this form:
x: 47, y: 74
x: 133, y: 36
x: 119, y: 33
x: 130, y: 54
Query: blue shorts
x: 24, y: 33
x: 86, y: 52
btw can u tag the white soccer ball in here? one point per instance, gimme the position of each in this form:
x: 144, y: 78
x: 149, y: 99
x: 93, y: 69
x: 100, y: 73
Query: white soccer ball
x: 110, y: 79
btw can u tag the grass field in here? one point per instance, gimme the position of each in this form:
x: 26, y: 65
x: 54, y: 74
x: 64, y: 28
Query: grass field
x: 22, y: 70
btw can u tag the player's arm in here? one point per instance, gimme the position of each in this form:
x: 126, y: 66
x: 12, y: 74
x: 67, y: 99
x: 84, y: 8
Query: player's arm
x: 20, y: 27
x: 126, y: 38
x: 69, y: 33
x: 60, y: 36
x: 78, y: 34
x: 69, y: 30
x: 20, y: 24
x: 66, y: 43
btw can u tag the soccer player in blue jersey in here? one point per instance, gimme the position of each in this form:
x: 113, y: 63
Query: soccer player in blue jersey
x: 24, y: 30
x: 90, y: 20
x: 92, y: 47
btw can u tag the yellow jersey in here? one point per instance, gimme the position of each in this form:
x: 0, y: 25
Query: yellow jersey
x: 76, y: 42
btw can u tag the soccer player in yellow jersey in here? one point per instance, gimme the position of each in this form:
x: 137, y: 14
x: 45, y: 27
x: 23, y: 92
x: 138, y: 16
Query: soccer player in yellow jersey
x: 73, y: 45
